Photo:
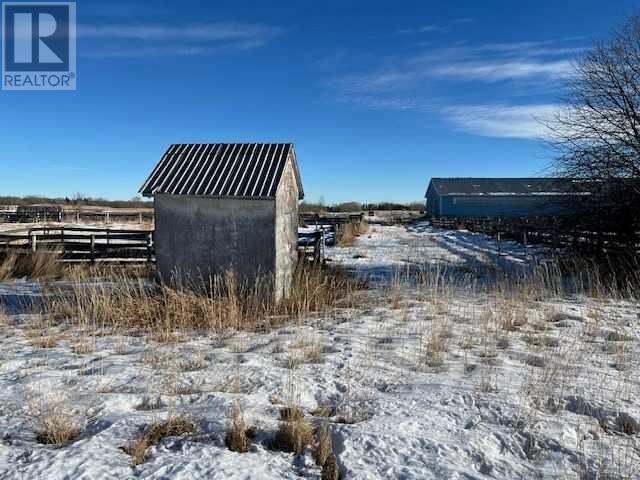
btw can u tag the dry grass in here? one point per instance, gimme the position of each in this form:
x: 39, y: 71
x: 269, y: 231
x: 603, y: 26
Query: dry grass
x: 83, y: 346
x: 330, y: 469
x: 236, y: 438
x: 433, y: 344
x: 134, y: 306
x: 54, y: 421
x: 44, y: 341
x: 324, y: 445
x: 43, y: 265
x: 8, y: 265
x: 4, y: 317
x: 295, y: 432
x: 174, y: 426
x: 347, y: 234
x: 308, y: 349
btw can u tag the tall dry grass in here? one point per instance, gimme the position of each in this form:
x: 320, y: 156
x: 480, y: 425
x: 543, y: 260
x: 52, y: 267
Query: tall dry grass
x: 526, y: 309
x: 347, y: 234
x: 236, y: 439
x: 42, y: 265
x: 136, y: 305
x: 47, y: 265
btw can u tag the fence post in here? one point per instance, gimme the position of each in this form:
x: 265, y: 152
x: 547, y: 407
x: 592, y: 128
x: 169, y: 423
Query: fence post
x: 149, y: 237
x: 34, y: 243
x: 499, y: 245
x: 62, y: 240
x: 93, y: 248
x: 526, y: 246
x: 316, y: 247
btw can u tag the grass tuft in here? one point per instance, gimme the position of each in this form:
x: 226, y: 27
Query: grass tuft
x: 55, y: 422
x: 174, y: 426
x: 347, y: 234
x: 236, y: 438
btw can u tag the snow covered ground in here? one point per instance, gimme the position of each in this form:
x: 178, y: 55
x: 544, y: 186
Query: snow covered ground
x: 417, y: 385
x: 385, y: 250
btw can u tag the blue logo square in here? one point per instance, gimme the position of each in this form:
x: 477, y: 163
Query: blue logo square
x: 38, y: 48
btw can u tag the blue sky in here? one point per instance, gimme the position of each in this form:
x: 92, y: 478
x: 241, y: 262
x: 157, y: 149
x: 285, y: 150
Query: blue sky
x: 377, y: 96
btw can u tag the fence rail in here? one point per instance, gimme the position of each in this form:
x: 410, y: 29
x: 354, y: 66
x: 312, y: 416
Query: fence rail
x: 39, y: 215
x: 543, y: 232
x: 330, y: 219
x: 75, y: 244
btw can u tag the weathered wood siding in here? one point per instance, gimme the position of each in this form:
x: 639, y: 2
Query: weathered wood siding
x: 197, y: 237
x: 286, y: 230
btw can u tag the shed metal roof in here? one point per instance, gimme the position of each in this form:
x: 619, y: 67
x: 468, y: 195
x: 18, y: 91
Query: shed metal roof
x: 505, y: 186
x: 222, y: 170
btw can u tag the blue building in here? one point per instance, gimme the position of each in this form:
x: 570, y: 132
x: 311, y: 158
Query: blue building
x: 498, y: 197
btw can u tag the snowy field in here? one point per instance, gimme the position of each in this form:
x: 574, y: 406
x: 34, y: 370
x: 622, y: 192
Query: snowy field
x: 414, y: 383
x: 388, y: 249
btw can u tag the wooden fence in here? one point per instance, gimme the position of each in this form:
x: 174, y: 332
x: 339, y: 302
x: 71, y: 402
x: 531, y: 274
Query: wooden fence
x: 25, y: 215
x: 83, y: 244
x: 542, y: 231
x: 330, y: 219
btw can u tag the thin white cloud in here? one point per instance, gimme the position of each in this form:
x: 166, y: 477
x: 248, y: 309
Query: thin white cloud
x: 194, y: 39
x: 422, y: 29
x: 487, y: 63
x: 434, y: 27
x: 493, y: 71
x: 377, y: 82
x: 458, y: 75
x: 504, y: 121
x: 159, y: 51
x: 385, y: 103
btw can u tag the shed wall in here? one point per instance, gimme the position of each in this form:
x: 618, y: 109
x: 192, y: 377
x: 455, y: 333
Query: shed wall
x: 286, y: 230
x: 197, y: 237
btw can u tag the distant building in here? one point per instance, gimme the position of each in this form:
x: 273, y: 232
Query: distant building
x: 227, y: 207
x: 480, y: 197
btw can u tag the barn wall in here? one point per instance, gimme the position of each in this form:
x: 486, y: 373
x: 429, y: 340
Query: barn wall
x: 499, y: 205
x: 197, y: 237
x: 286, y: 230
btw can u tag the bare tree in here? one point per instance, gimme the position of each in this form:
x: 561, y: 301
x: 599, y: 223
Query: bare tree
x: 597, y: 134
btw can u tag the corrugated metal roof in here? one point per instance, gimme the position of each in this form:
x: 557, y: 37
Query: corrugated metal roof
x: 222, y: 170
x: 506, y: 186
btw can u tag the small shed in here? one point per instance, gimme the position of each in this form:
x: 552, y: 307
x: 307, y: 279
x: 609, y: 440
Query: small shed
x: 496, y: 197
x: 227, y: 207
